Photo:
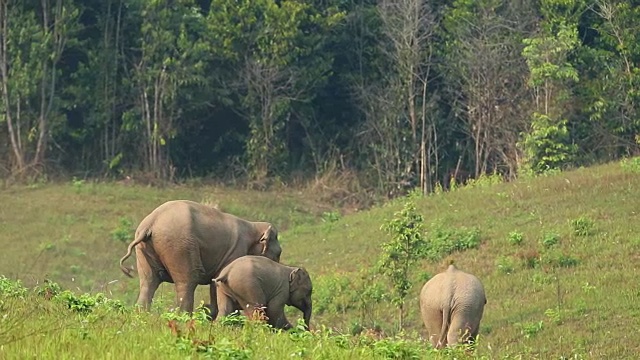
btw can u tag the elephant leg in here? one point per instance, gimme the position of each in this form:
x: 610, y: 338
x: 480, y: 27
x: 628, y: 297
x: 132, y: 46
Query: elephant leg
x: 213, y: 306
x: 275, y: 313
x: 186, y: 270
x: 225, y: 303
x: 149, y: 280
x: 184, y: 295
x: 432, y: 318
x: 464, y: 328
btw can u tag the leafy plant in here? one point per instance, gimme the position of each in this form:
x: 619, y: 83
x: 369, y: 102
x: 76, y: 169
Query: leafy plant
x: 46, y: 246
x: 631, y: 165
x: 546, y: 145
x: 587, y: 288
x: 530, y: 258
x: 234, y: 319
x: 225, y: 349
x: 397, y: 349
x: 554, y: 315
x: 531, y: 329
x: 12, y: 288
x: 200, y: 315
x: 567, y: 261
x: 558, y: 259
x: 515, y: 238
x: 484, y: 180
x: 550, y: 239
x: 443, y: 241
x: 582, y: 226
x: 77, y: 184
x: 124, y: 230
x: 505, y: 264
x: 82, y: 304
x: 331, y: 216
x: 48, y: 290
x: 333, y: 293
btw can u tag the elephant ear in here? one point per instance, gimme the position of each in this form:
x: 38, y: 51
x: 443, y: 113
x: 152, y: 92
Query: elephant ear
x: 297, y: 278
x: 267, y: 235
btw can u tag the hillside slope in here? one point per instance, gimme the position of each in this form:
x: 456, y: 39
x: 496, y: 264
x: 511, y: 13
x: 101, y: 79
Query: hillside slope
x: 569, y: 287
x: 579, y: 296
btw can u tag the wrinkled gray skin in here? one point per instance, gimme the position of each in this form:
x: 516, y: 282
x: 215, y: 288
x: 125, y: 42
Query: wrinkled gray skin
x: 188, y: 244
x: 252, y: 281
x: 452, y: 304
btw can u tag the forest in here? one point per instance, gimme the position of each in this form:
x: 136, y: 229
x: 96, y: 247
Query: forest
x: 401, y: 93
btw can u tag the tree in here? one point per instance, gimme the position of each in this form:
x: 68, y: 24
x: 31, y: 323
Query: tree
x: 172, y: 57
x: 30, y: 51
x: 484, y: 74
x: 547, y: 144
x: 399, y: 255
x: 400, y: 131
x: 96, y: 91
x: 609, y: 68
x: 276, y: 45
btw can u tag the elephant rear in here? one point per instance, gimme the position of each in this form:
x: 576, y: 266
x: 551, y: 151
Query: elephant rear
x: 452, y: 304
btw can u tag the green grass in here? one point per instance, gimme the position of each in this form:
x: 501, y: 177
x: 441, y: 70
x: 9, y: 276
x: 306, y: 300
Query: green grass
x: 565, y: 287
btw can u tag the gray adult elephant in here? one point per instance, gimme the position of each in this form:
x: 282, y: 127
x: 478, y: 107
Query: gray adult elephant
x: 452, y: 303
x: 255, y: 281
x: 187, y: 243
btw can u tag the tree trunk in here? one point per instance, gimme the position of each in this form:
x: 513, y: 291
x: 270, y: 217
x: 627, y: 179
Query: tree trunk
x: 4, y: 32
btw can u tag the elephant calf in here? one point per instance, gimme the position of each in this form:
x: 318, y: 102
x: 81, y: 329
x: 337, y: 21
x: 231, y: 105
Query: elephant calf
x: 254, y: 281
x: 452, y: 303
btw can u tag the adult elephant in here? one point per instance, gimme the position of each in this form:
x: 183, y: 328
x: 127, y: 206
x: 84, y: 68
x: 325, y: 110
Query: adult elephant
x: 452, y: 304
x: 187, y: 243
x: 252, y: 282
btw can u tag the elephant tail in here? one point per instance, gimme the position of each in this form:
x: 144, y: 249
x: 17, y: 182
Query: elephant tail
x: 142, y: 236
x: 446, y: 321
x: 221, y: 278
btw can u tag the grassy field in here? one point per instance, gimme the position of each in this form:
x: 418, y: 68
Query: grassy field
x: 559, y: 258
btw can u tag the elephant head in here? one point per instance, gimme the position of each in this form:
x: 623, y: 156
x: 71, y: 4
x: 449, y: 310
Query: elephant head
x: 268, y: 244
x: 300, y: 289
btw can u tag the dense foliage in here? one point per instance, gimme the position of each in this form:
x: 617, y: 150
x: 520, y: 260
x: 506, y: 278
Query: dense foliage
x: 403, y: 92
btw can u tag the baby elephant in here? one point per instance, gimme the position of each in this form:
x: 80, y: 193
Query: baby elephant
x: 254, y: 281
x: 452, y: 304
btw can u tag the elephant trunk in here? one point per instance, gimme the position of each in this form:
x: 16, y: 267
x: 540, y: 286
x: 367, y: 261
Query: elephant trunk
x: 307, y: 315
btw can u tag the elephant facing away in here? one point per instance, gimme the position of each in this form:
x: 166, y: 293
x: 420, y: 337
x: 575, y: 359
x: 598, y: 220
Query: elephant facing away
x: 255, y: 281
x: 187, y: 243
x: 452, y: 303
